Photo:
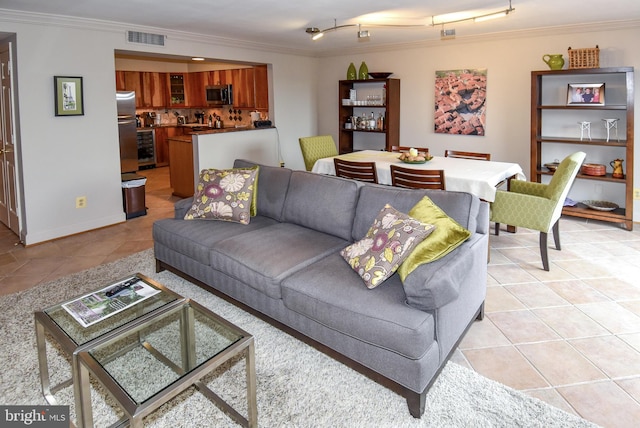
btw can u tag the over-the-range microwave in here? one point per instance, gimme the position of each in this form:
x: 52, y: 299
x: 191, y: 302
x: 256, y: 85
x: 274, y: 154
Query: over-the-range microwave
x: 219, y: 95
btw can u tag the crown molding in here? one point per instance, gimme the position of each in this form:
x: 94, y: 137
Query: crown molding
x: 44, y: 19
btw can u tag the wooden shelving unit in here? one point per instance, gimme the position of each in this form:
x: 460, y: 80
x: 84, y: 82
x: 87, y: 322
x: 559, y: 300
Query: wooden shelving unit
x: 391, y: 108
x: 550, y: 120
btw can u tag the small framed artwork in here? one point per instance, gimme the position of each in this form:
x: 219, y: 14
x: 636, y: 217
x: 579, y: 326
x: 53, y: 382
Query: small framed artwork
x: 68, y: 94
x: 585, y: 94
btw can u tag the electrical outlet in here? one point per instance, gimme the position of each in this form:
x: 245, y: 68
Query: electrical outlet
x: 636, y: 194
x: 81, y: 202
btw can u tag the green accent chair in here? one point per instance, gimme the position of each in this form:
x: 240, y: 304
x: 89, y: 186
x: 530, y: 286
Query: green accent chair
x: 314, y: 148
x: 537, y: 206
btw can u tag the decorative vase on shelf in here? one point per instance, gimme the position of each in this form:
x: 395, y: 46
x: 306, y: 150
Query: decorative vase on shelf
x: 363, y: 73
x: 554, y: 61
x: 351, y: 72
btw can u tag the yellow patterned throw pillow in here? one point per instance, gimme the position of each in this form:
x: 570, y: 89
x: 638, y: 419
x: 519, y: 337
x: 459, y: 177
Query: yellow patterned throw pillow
x: 388, y: 242
x: 447, y: 236
x: 224, y: 194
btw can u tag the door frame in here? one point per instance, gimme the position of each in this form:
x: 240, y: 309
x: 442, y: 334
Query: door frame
x: 9, y: 43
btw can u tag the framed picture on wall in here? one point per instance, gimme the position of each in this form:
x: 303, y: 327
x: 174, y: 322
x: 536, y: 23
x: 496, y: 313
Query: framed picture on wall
x: 585, y: 94
x: 68, y: 95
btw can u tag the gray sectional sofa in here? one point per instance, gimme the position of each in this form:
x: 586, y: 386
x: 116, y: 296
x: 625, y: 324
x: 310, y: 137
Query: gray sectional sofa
x: 285, y: 267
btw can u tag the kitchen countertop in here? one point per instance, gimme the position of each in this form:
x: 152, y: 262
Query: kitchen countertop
x: 196, y: 128
x: 182, y: 138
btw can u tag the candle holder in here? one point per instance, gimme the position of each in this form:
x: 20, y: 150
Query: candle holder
x: 585, y: 126
x: 610, y: 124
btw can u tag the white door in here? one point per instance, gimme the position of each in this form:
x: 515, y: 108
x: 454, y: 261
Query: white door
x: 8, y: 194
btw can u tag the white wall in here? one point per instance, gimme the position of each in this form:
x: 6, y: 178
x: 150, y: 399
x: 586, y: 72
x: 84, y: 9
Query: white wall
x: 509, y: 62
x: 66, y: 157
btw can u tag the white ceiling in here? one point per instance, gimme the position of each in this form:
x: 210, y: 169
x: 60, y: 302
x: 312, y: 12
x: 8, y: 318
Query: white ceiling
x: 282, y: 24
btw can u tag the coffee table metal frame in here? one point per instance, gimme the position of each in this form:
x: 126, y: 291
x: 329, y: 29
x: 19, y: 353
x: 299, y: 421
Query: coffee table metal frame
x: 189, y: 373
x: 46, y: 327
x: 45, y: 324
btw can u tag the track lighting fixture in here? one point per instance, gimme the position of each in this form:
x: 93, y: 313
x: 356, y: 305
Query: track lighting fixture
x: 316, y: 33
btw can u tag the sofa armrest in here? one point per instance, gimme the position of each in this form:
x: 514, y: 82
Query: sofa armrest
x: 181, y: 207
x: 432, y: 285
x: 482, y: 225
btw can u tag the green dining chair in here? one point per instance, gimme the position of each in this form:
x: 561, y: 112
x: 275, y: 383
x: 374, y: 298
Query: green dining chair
x: 318, y: 147
x: 537, y: 206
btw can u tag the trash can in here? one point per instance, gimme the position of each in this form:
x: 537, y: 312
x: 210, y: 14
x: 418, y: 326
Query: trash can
x: 133, y: 195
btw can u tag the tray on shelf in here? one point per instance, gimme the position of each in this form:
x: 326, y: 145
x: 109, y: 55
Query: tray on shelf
x: 600, y: 205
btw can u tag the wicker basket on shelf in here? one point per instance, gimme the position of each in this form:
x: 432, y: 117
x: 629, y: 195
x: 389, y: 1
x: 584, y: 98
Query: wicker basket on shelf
x: 593, y: 169
x: 584, y: 58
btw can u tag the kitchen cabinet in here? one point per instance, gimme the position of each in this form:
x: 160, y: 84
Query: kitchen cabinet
x: 387, y: 104
x: 195, y: 89
x: 243, y: 88
x: 150, y: 88
x: 153, y: 89
x: 557, y: 130
x: 181, y: 166
x: 162, y: 146
x: 261, y: 87
x: 163, y: 134
x: 177, y: 90
x: 130, y: 81
x: 220, y: 77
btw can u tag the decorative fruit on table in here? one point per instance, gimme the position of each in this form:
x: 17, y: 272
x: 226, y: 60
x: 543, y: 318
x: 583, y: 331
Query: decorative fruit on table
x: 413, y: 155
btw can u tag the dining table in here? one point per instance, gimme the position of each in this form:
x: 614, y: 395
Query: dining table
x: 478, y: 177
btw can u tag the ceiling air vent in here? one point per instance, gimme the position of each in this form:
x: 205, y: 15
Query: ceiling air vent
x: 145, y: 38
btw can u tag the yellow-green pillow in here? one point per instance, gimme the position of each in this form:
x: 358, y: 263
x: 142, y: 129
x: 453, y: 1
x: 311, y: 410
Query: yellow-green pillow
x: 446, y: 237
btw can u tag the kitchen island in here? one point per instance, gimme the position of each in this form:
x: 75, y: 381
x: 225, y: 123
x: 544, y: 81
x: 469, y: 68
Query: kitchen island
x: 217, y: 148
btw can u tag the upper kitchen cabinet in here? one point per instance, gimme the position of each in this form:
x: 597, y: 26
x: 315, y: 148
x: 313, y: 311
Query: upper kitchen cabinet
x: 177, y: 90
x: 243, y: 88
x: 261, y: 87
x: 219, y: 77
x: 195, y: 88
x: 154, y: 90
x: 130, y: 81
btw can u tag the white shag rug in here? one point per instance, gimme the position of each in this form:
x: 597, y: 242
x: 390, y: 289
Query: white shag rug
x: 297, y: 385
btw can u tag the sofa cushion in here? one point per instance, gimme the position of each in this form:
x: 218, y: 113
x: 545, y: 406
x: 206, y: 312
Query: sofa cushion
x: 273, y: 183
x: 390, y: 240
x: 331, y: 293
x: 447, y: 236
x: 224, y: 194
x: 195, y: 239
x: 462, y: 207
x: 323, y: 203
x: 268, y: 255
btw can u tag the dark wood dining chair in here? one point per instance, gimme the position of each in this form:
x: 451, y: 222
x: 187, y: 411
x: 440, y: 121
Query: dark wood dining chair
x: 362, y: 171
x: 417, y: 178
x: 467, y: 155
x: 401, y: 149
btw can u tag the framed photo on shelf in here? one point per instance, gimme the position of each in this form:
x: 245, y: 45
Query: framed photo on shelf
x: 585, y: 94
x: 68, y: 95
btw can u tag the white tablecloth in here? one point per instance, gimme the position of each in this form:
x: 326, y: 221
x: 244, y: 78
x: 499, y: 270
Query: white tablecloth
x: 477, y: 177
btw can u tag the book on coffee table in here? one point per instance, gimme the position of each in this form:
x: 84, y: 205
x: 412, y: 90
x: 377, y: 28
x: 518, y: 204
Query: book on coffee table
x: 108, y: 301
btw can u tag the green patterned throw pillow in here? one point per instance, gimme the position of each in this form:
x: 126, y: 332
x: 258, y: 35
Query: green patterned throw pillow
x: 388, y: 242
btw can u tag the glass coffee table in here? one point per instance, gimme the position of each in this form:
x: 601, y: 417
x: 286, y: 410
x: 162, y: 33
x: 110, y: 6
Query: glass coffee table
x: 163, y: 354
x: 194, y: 342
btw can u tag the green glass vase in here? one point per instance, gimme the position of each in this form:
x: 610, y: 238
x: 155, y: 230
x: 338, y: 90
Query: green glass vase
x: 351, y: 72
x: 363, y: 72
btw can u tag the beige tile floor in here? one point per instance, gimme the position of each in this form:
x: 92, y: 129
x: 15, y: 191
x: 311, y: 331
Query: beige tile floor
x: 570, y: 337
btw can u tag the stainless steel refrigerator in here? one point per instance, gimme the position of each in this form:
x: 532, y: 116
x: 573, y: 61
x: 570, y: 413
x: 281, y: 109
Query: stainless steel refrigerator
x: 127, y: 131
